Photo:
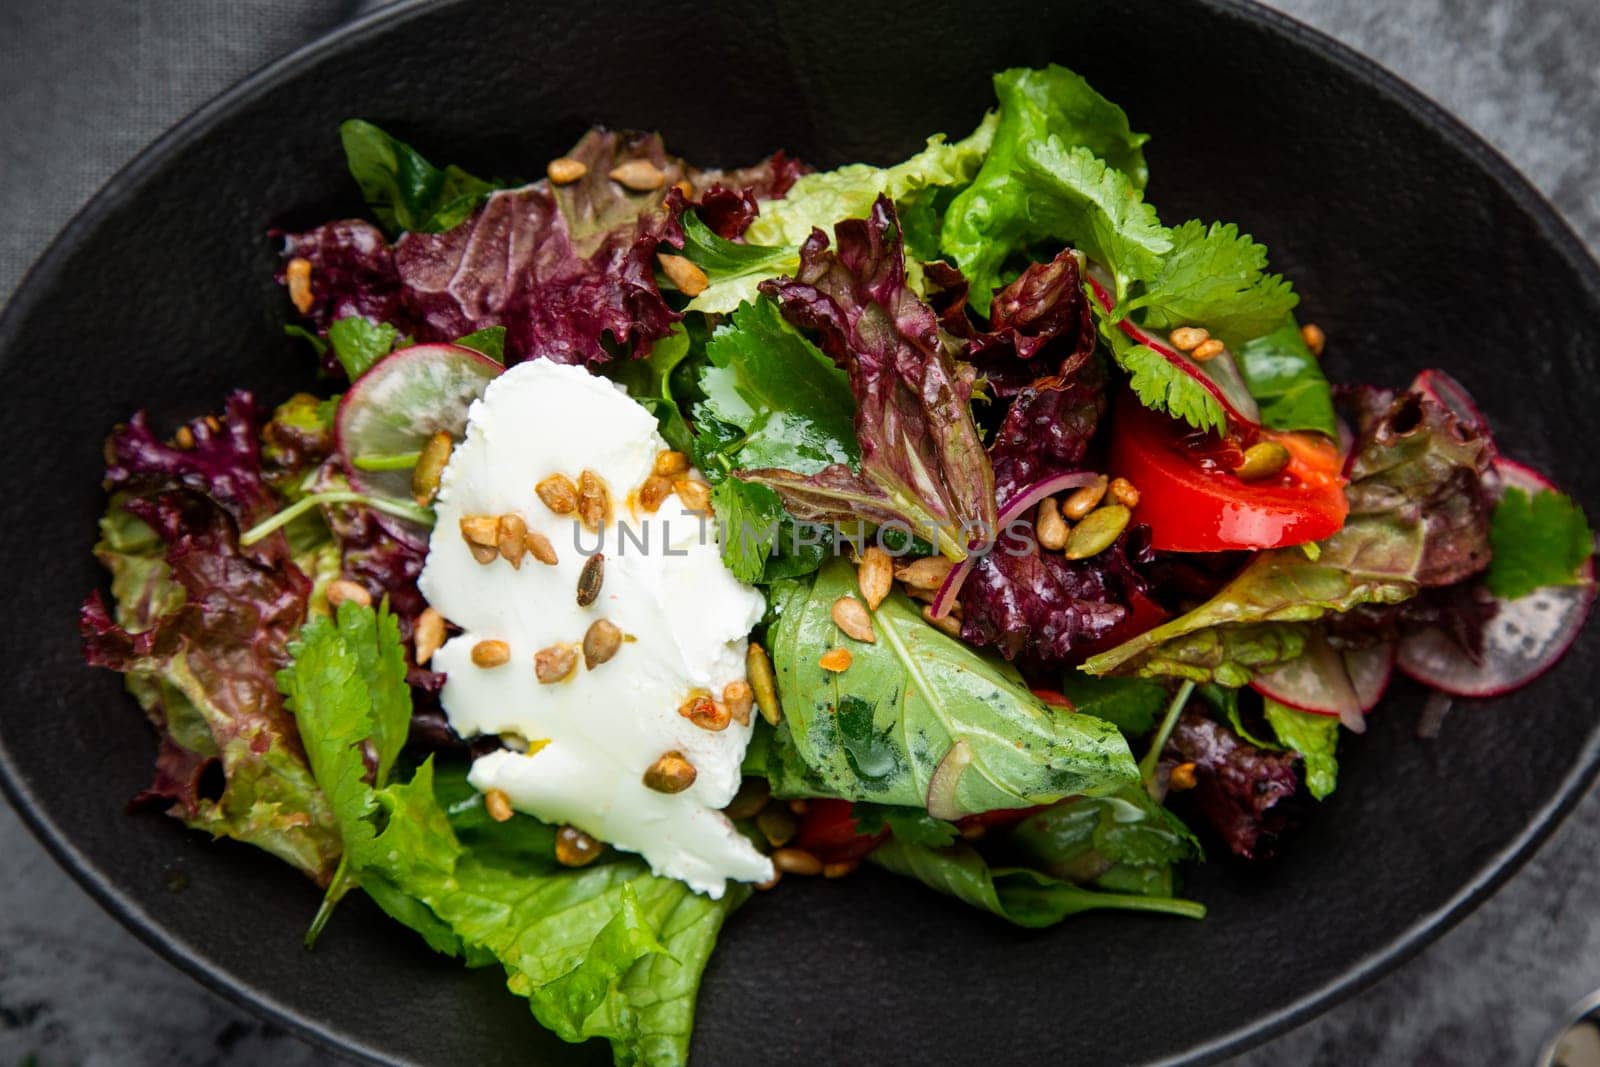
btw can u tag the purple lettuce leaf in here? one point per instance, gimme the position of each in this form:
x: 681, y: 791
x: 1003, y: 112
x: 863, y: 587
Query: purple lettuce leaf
x: 922, y: 461
x: 1241, y: 791
x: 1039, y: 326
x: 352, y: 275
x: 730, y: 200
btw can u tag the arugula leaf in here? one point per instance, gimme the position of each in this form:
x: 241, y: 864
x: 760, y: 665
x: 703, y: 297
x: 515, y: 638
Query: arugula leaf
x: 1133, y: 704
x: 1016, y: 894
x: 1315, y: 737
x: 1124, y: 841
x: 819, y: 200
x: 491, y: 341
x: 880, y: 730
x: 404, y: 190
x: 1214, y: 277
x: 994, y: 217
x: 1287, y: 381
x: 1538, y: 540
x: 360, y: 342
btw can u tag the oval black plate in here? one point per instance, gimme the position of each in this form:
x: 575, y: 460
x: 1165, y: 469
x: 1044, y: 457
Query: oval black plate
x: 1405, y: 233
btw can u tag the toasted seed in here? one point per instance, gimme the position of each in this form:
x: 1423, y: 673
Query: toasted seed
x: 1049, y: 526
x: 690, y: 279
x: 974, y: 832
x: 1181, y: 777
x: 558, y: 494
x: 481, y: 530
x: 1082, y: 501
x: 670, y: 462
x: 565, y: 171
x: 777, y: 824
x: 928, y: 573
x: 949, y: 624
x: 298, y: 276
x: 512, y: 538
x: 600, y: 643
x: 1206, y: 350
x: 498, y: 805
x: 590, y: 579
x: 850, y: 616
x: 1264, y: 459
x: 342, y: 589
x: 839, y: 868
x: 671, y: 773
x: 640, y: 175
x: 427, y: 633
x: 491, y: 654
x: 771, y: 883
x: 696, y: 496
x: 927, y: 596
x: 758, y: 668
x: 554, y: 664
x: 183, y: 438
x: 594, y: 500
x: 1314, y: 338
x: 684, y: 186
x: 654, y: 490
x: 796, y: 861
x: 700, y: 709
x: 799, y: 805
x: 1187, y: 338
x: 875, y: 576
x: 749, y: 800
x: 836, y: 660
x: 1097, y: 531
x: 574, y: 848
x: 1123, y: 492
x: 484, y: 554
x: 430, y: 467
x: 738, y: 698
x: 539, y: 547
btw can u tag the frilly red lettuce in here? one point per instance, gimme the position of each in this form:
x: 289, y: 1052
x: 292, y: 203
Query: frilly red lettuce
x: 1242, y: 791
x: 730, y: 200
x: 922, y: 462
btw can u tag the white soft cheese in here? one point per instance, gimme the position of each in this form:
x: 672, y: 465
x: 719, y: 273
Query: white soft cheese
x: 687, y: 616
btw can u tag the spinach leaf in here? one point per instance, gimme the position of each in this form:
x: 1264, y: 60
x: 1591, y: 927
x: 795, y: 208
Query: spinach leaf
x: 1315, y: 737
x: 404, y: 190
x: 1538, y: 540
x: 1287, y: 381
x: 1124, y: 841
x: 1017, y: 894
x: 1133, y: 704
x: 879, y: 730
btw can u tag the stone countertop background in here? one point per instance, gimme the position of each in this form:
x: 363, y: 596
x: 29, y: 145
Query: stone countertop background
x: 75, y: 988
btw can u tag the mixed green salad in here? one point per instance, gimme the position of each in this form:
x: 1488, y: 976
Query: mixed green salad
x: 1034, y: 555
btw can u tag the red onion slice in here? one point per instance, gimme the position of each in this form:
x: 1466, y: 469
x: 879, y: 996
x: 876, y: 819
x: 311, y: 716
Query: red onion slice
x: 942, y: 803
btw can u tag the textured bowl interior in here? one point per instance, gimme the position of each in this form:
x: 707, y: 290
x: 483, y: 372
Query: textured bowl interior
x: 1412, y: 245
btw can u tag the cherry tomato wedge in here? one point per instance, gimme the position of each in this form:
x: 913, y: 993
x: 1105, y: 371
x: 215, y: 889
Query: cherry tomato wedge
x: 828, y: 831
x: 1193, y: 502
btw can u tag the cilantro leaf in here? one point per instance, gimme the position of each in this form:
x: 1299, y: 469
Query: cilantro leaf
x: 491, y: 341
x: 1215, y: 277
x: 1538, y: 540
x: 1315, y: 737
x: 1162, y: 387
x: 360, y: 342
x: 751, y: 518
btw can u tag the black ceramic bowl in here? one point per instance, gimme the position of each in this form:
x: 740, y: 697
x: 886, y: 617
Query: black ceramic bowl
x: 1412, y: 243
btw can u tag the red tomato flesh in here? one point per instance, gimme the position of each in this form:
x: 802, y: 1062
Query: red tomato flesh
x: 1192, y: 501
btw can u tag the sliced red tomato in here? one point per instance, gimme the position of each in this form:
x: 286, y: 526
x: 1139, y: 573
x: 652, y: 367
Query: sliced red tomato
x: 828, y: 831
x: 1192, y: 501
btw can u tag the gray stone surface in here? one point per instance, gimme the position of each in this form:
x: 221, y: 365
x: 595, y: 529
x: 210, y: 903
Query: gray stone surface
x: 75, y: 988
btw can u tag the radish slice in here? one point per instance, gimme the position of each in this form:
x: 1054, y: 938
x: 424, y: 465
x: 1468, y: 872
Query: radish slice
x: 1450, y: 394
x: 1369, y: 671
x: 1526, y: 637
x: 1220, y: 376
x: 400, y: 402
x: 1014, y: 509
x: 1316, y: 681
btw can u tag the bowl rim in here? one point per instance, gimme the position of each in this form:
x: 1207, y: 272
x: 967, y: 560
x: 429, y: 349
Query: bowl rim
x: 1492, y: 873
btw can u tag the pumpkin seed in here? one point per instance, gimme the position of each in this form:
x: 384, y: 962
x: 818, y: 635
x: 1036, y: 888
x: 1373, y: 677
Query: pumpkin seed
x: 671, y: 773
x: 1264, y: 459
x: 1097, y: 531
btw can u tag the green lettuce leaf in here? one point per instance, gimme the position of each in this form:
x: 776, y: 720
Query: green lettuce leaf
x: 881, y: 729
x: 404, y: 190
x: 1017, y: 894
x: 1538, y: 540
x: 1085, y: 188
x: 1315, y: 737
x: 1287, y: 381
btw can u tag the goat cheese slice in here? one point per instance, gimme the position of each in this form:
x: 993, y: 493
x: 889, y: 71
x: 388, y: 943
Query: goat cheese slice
x: 591, y: 737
